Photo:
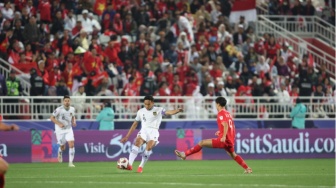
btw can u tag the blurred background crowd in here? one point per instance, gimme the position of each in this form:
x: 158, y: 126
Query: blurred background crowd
x: 154, y: 47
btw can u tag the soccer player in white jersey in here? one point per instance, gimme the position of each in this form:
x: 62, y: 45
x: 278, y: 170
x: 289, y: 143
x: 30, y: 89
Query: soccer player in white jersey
x: 150, y: 117
x: 64, y: 119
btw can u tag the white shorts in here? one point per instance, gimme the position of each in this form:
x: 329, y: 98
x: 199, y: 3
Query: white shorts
x: 148, y: 134
x: 63, y: 137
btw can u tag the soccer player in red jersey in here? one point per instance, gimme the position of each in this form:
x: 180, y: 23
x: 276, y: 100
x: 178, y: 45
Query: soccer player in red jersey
x: 3, y: 169
x: 225, y: 137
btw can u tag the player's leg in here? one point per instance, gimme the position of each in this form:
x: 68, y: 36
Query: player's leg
x: 61, y: 142
x: 135, y: 150
x: 152, y: 140
x: 3, y: 170
x: 198, y: 147
x: 145, y: 156
x: 238, y: 159
x: 71, y: 142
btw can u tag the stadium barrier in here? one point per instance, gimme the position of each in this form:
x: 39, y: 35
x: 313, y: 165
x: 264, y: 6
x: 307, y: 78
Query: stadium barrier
x: 41, y: 146
x: 195, y: 108
x: 175, y: 124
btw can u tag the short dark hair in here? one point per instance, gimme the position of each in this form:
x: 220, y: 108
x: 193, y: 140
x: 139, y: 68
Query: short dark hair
x: 149, y: 97
x: 66, y: 97
x: 107, y: 104
x: 221, y: 101
x: 298, y: 100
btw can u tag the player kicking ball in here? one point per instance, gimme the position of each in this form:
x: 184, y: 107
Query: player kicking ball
x: 64, y: 119
x: 225, y: 137
x: 150, y: 117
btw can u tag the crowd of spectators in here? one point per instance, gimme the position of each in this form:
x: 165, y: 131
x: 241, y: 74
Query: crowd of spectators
x: 152, y: 47
x: 303, y: 8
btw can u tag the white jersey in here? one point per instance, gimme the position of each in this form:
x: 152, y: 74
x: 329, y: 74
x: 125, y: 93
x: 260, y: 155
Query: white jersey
x: 150, y: 118
x: 64, y: 116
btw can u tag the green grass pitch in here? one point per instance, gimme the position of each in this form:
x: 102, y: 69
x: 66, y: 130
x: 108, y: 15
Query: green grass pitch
x: 302, y: 173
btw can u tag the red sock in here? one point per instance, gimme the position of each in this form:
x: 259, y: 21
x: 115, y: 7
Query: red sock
x: 240, y: 161
x: 193, y: 150
x: 2, y: 181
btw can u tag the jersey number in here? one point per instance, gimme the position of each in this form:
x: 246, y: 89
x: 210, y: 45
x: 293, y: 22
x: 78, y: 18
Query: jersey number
x: 231, y: 127
x: 230, y: 123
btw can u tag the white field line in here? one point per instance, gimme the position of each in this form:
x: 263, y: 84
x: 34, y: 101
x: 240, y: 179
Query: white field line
x: 164, y: 183
x: 123, y: 173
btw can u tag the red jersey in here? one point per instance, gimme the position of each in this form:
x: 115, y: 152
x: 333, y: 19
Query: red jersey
x: 225, y: 116
x: 45, y: 11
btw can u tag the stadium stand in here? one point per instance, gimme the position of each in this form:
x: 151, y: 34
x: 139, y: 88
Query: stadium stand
x: 185, y: 53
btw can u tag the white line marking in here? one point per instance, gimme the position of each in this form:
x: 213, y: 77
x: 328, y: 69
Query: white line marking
x: 166, y: 183
x: 122, y: 173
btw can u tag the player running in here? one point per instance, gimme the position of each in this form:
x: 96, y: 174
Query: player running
x: 225, y: 137
x: 64, y: 119
x: 150, y: 117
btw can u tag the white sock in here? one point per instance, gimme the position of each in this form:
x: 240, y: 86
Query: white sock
x: 59, y: 150
x: 71, y: 154
x: 133, y: 154
x: 145, y: 157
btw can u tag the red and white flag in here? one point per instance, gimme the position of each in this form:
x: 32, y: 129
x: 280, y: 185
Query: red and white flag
x: 175, y: 30
x: 310, y: 60
x: 245, y: 8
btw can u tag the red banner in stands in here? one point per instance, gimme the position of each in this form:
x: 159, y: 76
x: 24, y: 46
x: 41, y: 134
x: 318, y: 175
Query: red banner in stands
x: 240, y: 5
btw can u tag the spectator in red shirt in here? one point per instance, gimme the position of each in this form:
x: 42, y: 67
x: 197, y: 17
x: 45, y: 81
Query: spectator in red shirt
x: 176, y: 91
x: 92, y: 64
x: 163, y: 91
x: 30, y: 7
x: 55, y: 76
x: 117, y: 24
x: 111, y: 52
x: 30, y: 56
x: 259, y: 46
x: 169, y: 74
x: 68, y: 75
x: 76, y: 30
x: 45, y: 11
x: 176, y: 81
x: 272, y: 49
x: 4, y: 43
x: 51, y: 62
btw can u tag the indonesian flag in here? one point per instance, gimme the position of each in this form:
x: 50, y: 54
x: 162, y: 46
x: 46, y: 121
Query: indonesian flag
x: 310, y: 61
x: 245, y: 8
x: 175, y: 30
x: 46, y: 28
x: 25, y: 67
x: 99, y: 7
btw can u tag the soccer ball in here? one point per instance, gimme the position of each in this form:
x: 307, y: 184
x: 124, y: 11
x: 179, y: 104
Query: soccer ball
x: 122, y: 163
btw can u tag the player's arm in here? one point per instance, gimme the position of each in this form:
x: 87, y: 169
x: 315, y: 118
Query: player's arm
x: 12, y: 127
x: 53, y: 119
x: 130, y: 131
x: 225, y: 125
x: 73, y: 121
x: 173, y: 112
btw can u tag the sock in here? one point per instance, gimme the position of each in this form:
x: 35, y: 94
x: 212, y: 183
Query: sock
x: 145, y: 157
x: 133, y: 154
x: 193, y: 150
x: 240, y: 161
x: 59, y: 150
x: 71, y: 154
x: 2, y: 181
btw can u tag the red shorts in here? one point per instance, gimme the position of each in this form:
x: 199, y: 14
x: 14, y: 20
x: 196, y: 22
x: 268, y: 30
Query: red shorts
x: 216, y: 143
